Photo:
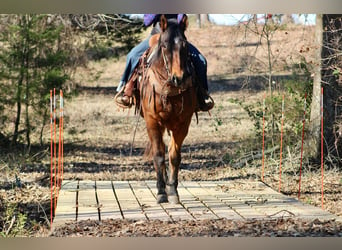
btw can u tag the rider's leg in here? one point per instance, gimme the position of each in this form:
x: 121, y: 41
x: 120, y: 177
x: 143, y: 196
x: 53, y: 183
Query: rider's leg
x: 131, y: 63
x: 200, y: 63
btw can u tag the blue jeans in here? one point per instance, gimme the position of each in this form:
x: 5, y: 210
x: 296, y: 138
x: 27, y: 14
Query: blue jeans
x: 134, y: 55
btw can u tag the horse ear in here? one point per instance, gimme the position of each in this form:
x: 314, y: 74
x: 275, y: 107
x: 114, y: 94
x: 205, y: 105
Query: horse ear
x: 184, y: 22
x: 163, y: 23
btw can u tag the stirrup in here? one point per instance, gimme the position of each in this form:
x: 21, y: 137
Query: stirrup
x: 119, y: 103
x: 207, y: 106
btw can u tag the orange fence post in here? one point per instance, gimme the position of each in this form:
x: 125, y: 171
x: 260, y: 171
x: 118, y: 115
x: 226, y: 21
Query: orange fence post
x: 62, y: 141
x: 59, y: 148
x: 322, y: 162
x: 263, y: 138
x: 281, y: 139
x: 56, y: 169
x: 55, y: 148
x: 301, y: 152
x: 51, y: 159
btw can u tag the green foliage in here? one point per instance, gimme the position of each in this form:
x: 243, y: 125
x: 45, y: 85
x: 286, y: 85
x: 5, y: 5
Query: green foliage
x: 300, y: 81
x: 293, y: 116
x: 254, y: 111
x: 218, y: 121
x: 13, y: 223
x: 40, y: 52
x: 109, y: 35
x: 33, y: 60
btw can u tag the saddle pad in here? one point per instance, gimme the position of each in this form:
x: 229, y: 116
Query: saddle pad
x: 153, y: 40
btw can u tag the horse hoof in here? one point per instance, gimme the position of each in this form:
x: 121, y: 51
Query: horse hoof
x: 162, y: 198
x: 174, y: 199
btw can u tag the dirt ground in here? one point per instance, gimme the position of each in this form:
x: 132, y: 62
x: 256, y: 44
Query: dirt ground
x: 102, y: 142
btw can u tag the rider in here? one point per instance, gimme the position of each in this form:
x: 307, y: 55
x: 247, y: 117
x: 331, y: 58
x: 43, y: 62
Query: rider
x: 205, y: 102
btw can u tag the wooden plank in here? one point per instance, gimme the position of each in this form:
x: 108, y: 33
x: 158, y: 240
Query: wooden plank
x: 203, y: 200
x: 275, y: 205
x: 108, y: 205
x: 195, y: 207
x: 87, y: 204
x: 259, y: 198
x: 175, y: 211
x: 207, y: 197
x: 278, y: 205
x: 129, y: 205
x: 306, y: 211
x: 238, y: 209
x: 66, y: 204
x: 148, y: 202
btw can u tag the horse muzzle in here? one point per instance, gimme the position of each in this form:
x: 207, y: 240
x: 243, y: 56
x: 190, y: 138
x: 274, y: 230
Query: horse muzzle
x: 177, y: 81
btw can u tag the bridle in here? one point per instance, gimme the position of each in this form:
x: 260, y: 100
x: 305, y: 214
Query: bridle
x: 166, y: 66
x: 169, y: 77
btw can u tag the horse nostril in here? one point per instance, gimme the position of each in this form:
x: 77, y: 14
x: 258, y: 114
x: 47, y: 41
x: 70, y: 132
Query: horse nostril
x: 175, y: 80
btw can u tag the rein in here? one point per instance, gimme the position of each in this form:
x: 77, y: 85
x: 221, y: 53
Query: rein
x: 160, y: 77
x: 166, y: 65
x: 166, y: 89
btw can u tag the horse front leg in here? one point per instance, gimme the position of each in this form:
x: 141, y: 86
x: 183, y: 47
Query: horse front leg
x: 158, y: 151
x: 176, y: 142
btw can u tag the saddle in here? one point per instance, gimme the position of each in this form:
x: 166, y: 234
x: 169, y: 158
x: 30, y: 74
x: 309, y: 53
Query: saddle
x: 132, y: 86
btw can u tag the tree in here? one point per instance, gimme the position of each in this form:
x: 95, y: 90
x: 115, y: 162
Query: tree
x: 115, y: 27
x: 38, y: 53
x: 33, y: 60
x: 328, y: 75
x: 202, y: 19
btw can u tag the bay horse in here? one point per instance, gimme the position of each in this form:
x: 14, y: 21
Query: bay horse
x: 168, y: 101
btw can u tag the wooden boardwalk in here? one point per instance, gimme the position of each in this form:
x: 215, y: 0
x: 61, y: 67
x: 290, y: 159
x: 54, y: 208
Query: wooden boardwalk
x: 136, y: 200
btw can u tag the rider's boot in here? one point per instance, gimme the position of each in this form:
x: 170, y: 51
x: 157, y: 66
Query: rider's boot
x: 124, y: 98
x: 205, y: 101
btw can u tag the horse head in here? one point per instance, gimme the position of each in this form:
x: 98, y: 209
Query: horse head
x: 173, y: 49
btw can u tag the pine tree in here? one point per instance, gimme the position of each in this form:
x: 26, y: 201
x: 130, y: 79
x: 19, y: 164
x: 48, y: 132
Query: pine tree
x: 32, y: 62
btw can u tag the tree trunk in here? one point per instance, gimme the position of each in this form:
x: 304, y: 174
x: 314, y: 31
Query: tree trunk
x: 328, y: 33
x: 313, y: 143
x: 27, y: 104
x: 17, y: 119
x: 202, y: 19
x: 198, y: 20
x: 27, y: 80
x: 286, y: 19
x: 19, y: 87
x: 205, y: 18
x: 331, y: 60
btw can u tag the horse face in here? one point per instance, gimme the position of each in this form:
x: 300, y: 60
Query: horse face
x: 174, y: 48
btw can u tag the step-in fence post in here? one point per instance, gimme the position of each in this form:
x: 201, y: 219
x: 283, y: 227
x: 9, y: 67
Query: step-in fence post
x: 263, y: 137
x: 56, y: 161
x: 322, y: 151
x: 301, y: 152
x: 281, y: 139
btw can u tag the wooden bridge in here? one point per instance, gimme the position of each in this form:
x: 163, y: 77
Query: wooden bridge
x: 136, y: 200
